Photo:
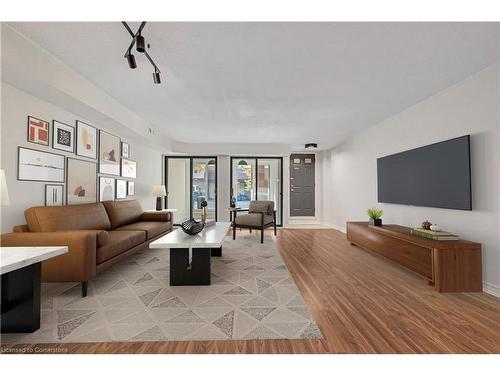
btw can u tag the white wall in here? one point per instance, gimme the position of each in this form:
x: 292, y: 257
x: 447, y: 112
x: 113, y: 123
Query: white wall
x: 16, y: 106
x: 469, y: 107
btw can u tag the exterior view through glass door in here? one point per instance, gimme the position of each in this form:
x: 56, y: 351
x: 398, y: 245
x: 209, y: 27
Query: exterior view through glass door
x: 190, y: 181
x: 255, y: 178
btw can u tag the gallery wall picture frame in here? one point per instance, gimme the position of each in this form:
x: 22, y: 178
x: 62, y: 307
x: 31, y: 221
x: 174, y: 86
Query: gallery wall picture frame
x: 86, y: 140
x: 81, y: 181
x: 38, y: 131
x: 106, y: 189
x: 35, y: 165
x: 121, y: 189
x: 54, y: 195
x: 125, y: 150
x: 109, y: 153
x: 130, y: 188
x: 129, y: 168
x: 63, y: 136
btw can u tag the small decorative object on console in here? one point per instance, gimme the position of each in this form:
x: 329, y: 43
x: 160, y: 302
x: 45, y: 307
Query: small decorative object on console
x: 204, y: 212
x: 233, y: 202
x: 375, y: 215
x: 426, y: 225
x: 435, y: 228
x: 192, y: 226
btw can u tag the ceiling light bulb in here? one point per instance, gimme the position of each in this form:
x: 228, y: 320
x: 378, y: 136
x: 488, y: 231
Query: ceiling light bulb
x: 131, y: 61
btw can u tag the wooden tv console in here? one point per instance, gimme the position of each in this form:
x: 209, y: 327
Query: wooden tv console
x: 451, y: 266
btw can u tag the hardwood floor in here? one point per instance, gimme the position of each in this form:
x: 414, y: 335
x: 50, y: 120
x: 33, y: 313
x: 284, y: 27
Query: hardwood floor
x: 362, y: 304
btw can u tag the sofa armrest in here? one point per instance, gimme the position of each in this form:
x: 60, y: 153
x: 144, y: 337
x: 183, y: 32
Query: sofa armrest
x: 102, y: 235
x: 78, y: 264
x: 157, y: 216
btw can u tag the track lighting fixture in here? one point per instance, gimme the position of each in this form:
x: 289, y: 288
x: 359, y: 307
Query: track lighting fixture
x: 140, y: 45
x: 156, y: 77
x: 131, y: 61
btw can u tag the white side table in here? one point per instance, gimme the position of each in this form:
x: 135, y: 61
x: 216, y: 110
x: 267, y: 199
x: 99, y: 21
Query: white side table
x: 20, y: 268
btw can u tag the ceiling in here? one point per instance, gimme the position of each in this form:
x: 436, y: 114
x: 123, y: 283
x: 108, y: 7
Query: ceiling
x: 289, y: 83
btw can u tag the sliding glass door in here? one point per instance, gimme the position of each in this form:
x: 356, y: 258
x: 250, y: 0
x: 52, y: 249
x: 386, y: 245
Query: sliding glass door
x: 189, y: 182
x: 254, y: 178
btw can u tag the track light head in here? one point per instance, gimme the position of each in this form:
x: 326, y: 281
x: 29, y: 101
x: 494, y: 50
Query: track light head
x: 140, y: 43
x: 131, y: 61
x: 156, y: 77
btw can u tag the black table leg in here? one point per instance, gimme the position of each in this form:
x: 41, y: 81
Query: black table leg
x: 21, y: 300
x: 198, y: 273
x: 217, y: 251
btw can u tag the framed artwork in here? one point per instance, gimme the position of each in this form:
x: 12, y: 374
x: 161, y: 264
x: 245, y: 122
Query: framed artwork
x: 109, y: 153
x: 106, y: 189
x: 81, y: 181
x: 129, y: 168
x: 125, y: 150
x: 38, y: 131
x: 63, y: 136
x: 121, y: 189
x: 131, y: 188
x: 34, y: 165
x: 86, y: 140
x: 54, y: 195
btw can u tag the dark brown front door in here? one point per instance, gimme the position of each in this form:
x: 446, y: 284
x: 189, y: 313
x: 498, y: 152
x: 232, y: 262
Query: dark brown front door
x: 302, y: 185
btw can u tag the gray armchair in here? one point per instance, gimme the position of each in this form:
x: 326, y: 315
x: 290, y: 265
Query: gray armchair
x: 261, y: 215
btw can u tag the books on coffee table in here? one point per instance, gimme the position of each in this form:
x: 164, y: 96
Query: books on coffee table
x: 434, y: 235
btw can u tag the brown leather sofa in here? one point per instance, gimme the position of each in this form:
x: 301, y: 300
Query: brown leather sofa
x: 97, y: 235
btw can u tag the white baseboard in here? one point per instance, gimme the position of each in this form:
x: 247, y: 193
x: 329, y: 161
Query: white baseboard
x: 339, y: 228
x: 492, y: 289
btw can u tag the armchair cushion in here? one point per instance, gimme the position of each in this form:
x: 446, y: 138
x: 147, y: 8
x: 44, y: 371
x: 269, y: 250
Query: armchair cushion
x: 261, y: 206
x: 253, y: 219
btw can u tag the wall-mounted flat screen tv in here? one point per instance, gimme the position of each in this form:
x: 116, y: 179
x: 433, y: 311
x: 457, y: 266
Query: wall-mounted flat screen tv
x: 438, y: 175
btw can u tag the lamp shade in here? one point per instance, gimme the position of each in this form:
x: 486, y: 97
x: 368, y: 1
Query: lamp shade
x: 159, y: 191
x: 5, y: 201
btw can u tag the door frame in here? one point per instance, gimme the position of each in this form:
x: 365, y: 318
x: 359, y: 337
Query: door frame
x: 165, y: 180
x: 256, y: 158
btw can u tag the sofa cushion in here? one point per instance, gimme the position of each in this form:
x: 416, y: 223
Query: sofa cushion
x: 74, y: 217
x: 253, y: 219
x: 123, y: 212
x: 261, y: 206
x: 119, y: 242
x: 151, y: 228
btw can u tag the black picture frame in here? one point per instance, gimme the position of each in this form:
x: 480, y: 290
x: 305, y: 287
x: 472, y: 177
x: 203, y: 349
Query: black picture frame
x: 19, y: 148
x: 62, y: 193
x: 123, y: 149
x: 118, y: 157
x: 96, y: 140
x: 28, y: 131
x: 96, y: 178
x: 54, y: 137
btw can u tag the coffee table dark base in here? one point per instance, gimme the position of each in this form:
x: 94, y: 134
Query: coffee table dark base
x: 181, y: 273
x: 21, y: 300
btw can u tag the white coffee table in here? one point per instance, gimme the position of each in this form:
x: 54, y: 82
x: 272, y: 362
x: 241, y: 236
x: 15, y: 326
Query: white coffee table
x: 20, y: 268
x: 190, y: 254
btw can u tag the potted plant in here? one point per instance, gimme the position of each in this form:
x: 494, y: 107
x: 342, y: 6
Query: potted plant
x: 375, y: 215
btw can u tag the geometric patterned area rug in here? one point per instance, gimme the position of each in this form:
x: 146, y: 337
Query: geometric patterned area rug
x: 252, y: 296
